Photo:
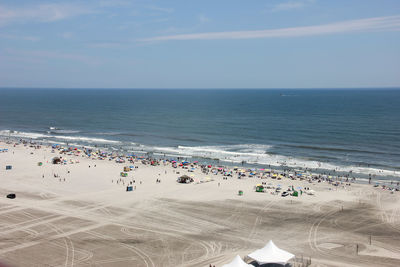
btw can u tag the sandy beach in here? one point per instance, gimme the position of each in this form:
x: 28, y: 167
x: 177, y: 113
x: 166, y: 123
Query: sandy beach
x: 80, y: 214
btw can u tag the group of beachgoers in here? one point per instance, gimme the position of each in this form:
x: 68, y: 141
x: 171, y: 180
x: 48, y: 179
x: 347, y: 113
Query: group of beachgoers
x: 207, y: 169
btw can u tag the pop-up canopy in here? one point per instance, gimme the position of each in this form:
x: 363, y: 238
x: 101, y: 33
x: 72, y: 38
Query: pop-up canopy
x: 271, y: 254
x: 237, y: 262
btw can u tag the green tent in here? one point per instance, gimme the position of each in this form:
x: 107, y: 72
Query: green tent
x: 259, y: 188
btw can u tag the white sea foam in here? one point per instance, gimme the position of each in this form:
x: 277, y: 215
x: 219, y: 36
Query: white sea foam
x: 235, y: 154
x: 62, y: 137
x: 65, y: 131
x: 23, y: 134
x: 221, y: 152
x: 86, y: 139
x: 56, y: 142
x: 258, y: 154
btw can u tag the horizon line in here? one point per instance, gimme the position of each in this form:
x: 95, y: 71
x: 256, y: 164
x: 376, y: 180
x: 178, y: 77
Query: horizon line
x: 209, y: 88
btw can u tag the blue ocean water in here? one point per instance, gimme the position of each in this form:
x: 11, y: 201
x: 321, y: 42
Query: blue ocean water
x: 351, y: 130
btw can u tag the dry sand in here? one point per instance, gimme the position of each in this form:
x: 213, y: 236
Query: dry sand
x: 88, y: 220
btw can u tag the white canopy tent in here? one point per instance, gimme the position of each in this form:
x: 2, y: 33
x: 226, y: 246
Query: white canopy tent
x: 271, y: 254
x: 237, y: 262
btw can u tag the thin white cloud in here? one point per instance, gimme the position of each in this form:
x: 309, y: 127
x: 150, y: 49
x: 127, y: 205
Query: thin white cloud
x: 203, y: 19
x: 161, y: 9
x: 106, y: 45
x: 41, y: 12
x: 19, y: 37
x: 291, y: 5
x: 114, y: 3
x: 288, y: 5
x: 66, y: 35
x: 390, y: 23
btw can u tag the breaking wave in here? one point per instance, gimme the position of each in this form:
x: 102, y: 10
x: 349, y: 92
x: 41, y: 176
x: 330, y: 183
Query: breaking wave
x: 11, y: 133
x: 36, y: 136
x: 64, y: 131
x: 258, y: 154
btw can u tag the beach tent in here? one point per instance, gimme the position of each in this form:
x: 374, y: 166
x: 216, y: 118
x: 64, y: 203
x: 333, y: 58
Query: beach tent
x: 56, y: 160
x: 11, y: 196
x: 271, y: 254
x: 8, y: 167
x: 259, y: 188
x: 184, y: 179
x: 237, y: 262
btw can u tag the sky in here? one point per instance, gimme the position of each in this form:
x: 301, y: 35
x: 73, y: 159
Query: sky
x: 200, y: 44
